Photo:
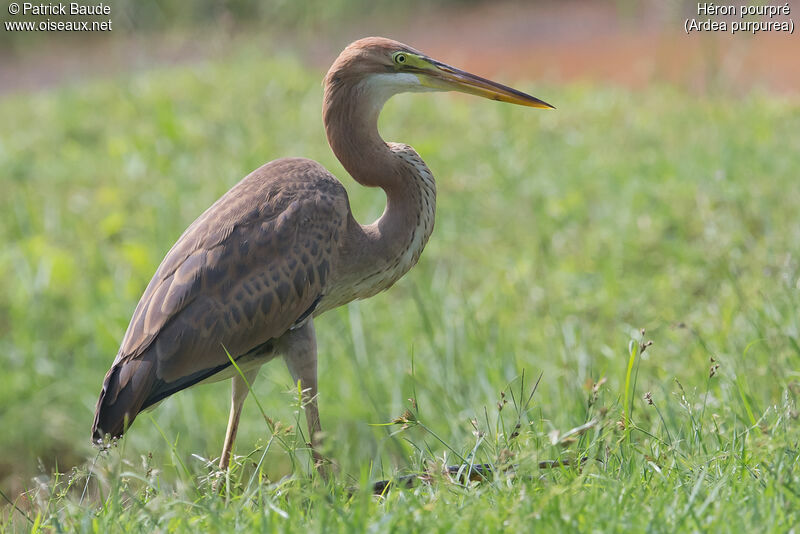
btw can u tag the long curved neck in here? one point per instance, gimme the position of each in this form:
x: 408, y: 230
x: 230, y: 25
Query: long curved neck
x: 391, y: 244
x: 350, y: 114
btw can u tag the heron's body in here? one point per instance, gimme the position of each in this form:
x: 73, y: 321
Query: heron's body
x: 249, y: 275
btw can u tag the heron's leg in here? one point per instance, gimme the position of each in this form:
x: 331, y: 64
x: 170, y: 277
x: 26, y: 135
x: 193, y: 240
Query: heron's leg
x: 300, y: 354
x: 239, y: 391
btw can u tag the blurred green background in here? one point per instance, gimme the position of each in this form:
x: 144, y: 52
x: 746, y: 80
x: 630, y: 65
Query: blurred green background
x: 154, y: 17
x: 657, y: 203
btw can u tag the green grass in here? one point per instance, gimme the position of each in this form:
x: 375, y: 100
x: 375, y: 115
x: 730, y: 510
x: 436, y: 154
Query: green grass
x: 559, y: 236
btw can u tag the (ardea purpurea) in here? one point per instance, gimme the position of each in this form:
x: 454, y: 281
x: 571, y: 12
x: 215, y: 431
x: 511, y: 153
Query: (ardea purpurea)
x: 248, y: 277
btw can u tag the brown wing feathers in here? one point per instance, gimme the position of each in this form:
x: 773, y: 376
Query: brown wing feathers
x: 242, y: 274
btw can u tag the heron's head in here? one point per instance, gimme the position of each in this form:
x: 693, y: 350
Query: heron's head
x: 383, y: 67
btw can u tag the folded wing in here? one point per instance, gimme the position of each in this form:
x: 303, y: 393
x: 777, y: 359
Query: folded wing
x: 241, y: 275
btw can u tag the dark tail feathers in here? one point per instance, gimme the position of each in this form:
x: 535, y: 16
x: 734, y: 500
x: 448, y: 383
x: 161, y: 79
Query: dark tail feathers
x: 126, y: 389
x: 131, y: 386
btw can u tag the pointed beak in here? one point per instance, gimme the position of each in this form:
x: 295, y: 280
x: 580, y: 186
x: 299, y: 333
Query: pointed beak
x: 443, y: 77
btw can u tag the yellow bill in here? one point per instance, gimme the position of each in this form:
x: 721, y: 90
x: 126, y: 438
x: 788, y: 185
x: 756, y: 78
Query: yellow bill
x: 437, y: 75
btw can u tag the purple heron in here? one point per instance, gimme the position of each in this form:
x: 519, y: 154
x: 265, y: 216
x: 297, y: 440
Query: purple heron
x: 247, y: 278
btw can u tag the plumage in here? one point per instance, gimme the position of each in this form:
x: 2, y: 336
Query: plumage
x: 282, y: 247
x: 243, y: 273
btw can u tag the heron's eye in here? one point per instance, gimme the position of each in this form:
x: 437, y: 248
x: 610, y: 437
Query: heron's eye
x: 400, y: 58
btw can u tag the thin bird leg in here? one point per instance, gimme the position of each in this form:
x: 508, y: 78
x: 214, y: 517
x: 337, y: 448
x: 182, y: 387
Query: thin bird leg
x: 239, y: 391
x: 300, y: 355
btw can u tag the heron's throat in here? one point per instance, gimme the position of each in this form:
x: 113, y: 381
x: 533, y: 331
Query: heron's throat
x: 350, y: 114
x: 380, y: 253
